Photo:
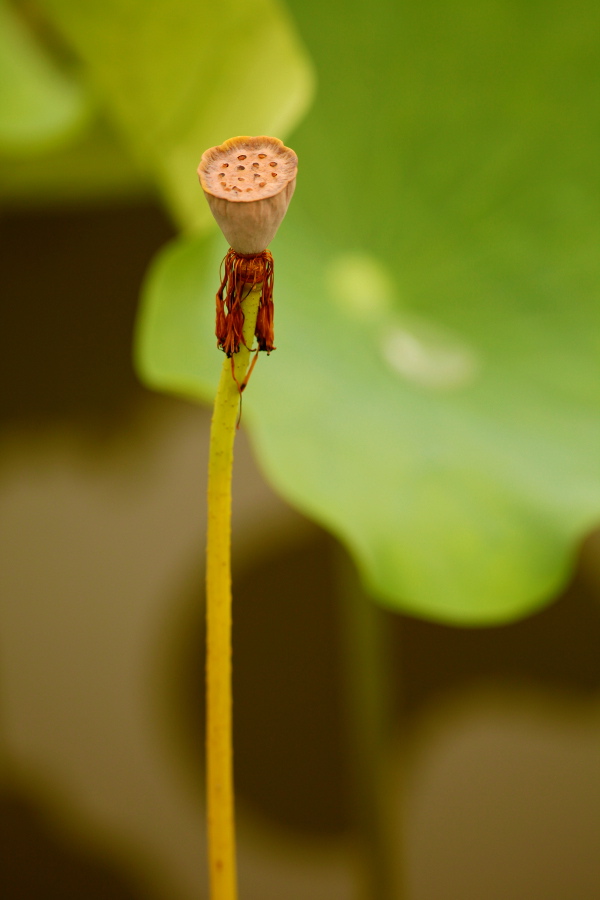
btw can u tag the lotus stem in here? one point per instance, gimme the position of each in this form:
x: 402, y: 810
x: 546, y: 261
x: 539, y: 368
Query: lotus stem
x: 219, y: 752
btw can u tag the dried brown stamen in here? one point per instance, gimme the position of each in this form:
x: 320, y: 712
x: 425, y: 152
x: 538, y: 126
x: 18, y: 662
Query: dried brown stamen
x: 240, y: 273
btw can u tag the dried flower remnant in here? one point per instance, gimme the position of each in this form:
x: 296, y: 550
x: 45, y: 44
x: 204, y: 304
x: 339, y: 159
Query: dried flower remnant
x: 248, y: 182
x: 249, y: 271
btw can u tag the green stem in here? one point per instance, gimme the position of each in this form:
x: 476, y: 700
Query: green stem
x: 219, y: 749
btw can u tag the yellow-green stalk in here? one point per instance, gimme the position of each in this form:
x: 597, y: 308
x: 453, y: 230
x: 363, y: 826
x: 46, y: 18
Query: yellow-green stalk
x: 219, y: 754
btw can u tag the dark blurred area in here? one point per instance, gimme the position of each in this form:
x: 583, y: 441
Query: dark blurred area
x: 70, y: 286
x: 35, y: 862
x: 102, y: 643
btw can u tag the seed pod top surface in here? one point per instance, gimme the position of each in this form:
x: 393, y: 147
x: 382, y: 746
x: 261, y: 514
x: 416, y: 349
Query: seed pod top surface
x: 244, y: 169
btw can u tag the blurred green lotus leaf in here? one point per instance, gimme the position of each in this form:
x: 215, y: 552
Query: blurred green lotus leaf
x: 177, y: 76
x: 435, y: 398
x: 41, y: 105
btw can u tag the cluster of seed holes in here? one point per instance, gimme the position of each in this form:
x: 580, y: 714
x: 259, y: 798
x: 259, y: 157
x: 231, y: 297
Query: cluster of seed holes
x: 241, y: 168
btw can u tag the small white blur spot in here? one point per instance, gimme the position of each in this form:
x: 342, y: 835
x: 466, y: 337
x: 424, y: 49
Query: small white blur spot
x: 428, y: 356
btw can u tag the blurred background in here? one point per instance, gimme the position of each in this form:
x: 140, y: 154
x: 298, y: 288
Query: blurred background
x: 494, y: 734
x: 474, y: 774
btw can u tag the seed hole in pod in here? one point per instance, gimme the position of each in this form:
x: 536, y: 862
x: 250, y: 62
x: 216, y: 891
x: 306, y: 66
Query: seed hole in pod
x: 241, y: 168
x: 243, y: 156
x: 273, y: 164
x: 225, y: 166
x: 262, y: 184
x: 273, y: 174
x: 240, y: 178
x: 221, y: 174
x: 255, y: 165
x: 248, y: 189
x: 227, y: 188
x: 262, y: 155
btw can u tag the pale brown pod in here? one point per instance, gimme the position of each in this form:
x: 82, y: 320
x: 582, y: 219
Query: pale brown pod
x: 249, y: 182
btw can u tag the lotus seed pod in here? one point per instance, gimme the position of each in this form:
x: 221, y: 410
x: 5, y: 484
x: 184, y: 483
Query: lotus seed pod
x: 249, y: 182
